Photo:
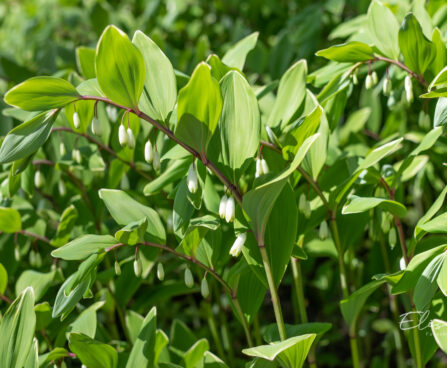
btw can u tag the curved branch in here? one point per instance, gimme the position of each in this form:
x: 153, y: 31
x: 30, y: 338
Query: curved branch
x: 419, y: 77
x: 233, y: 188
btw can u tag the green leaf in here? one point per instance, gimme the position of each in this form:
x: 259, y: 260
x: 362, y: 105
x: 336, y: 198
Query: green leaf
x: 236, y: 55
x: 42, y: 93
x: 212, y: 361
x: 218, y: 68
x: 197, y: 230
x: 173, y: 173
x: 40, y: 282
x: 250, y: 292
x: 427, y: 286
x: 27, y: 138
x: 85, y: 61
x: 439, y: 80
x: 64, y: 304
x: 160, y: 89
x: 439, y: 330
x: 271, y: 333
x: 419, y: 232
x: 290, y: 353
x: 133, y: 232
x: 440, y: 118
x: 143, y: 350
x: 291, y: 93
x: 125, y: 210
x: 183, y: 209
x: 352, y: 306
x: 435, y: 226
x: 66, y: 224
x: 195, y: 354
x: 198, y: 110
x: 383, y: 29
x: 120, y: 68
x: 240, y: 123
x: 3, y: 279
x: 362, y: 204
x: 259, y: 201
x: 83, y: 247
x: 93, y: 353
x: 84, y: 271
x: 86, y: 112
x: 86, y: 322
x: 417, y: 50
x: 442, y: 278
x: 17, y: 330
x: 32, y: 361
x: 350, y: 52
x: 10, y: 220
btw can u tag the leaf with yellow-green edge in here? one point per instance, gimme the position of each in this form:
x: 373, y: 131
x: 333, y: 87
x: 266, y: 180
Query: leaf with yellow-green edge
x: 439, y: 330
x: 120, y: 68
x: 42, y: 93
x: 160, y: 89
x: 83, y: 247
x: 350, y: 52
x: 194, y: 355
x: 66, y: 224
x: 93, y: 353
x: 3, y: 279
x: 291, y: 93
x: 17, y: 330
x: 198, y: 110
x: 236, y: 55
x: 362, y: 204
x: 39, y: 281
x: 10, y: 220
x: 85, y: 61
x: 27, y: 138
x: 240, y: 122
x: 133, y: 232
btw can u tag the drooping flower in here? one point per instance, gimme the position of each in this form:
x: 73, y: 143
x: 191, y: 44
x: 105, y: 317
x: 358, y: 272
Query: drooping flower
x: 230, y: 210
x: 148, y: 152
x: 408, y: 89
x: 191, y: 179
x: 236, y: 248
x: 258, y: 168
x: 76, y: 120
x: 156, y: 160
x: 265, y: 168
x: 117, y: 268
x: 130, y: 138
x: 96, y: 127
x: 122, y: 135
x: 368, y: 82
x: 62, y: 149
x: 387, y: 86
x: 204, y: 288
x: 160, y: 271
x: 39, y: 179
x: 323, y: 231
x: 189, y: 279
x: 223, y: 206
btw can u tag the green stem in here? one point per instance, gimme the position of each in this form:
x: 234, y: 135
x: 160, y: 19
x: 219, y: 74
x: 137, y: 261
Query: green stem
x: 340, y: 254
x: 354, y: 351
x: 298, y: 283
x: 274, y: 293
x: 416, y: 340
x: 213, y: 328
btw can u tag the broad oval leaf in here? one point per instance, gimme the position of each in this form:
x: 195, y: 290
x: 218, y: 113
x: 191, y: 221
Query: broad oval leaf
x: 84, y: 246
x: 439, y: 330
x: 10, y: 220
x: 119, y: 68
x: 17, y: 330
x: 93, y: 353
x: 160, y: 89
x: 362, y: 204
x: 42, y: 93
x: 27, y: 138
x: 236, y: 55
x: 350, y: 52
x: 240, y: 123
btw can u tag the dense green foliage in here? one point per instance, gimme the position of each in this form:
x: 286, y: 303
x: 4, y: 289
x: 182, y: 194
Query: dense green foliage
x: 223, y: 183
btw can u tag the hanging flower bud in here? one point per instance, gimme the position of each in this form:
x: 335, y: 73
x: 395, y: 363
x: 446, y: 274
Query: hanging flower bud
x: 62, y: 149
x: 148, y: 152
x: 368, y: 82
x: 223, y: 206
x: 302, y: 203
x: 374, y: 78
x: 117, y: 268
x: 61, y: 187
x: 408, y: 89
x: 122, y: 135
x: 204, y: 288
x: 76, y: 120
x: 137, y: 266
x: 387, y: 86
x: 39, y: 179
x: 323, y: 231
x: 191, y: 179
x: 130, y: 139
x: 76, y: 156
x: 156, y: 160
x: 236, y: 248
x: 189, y: 279
x: 229, y: 210
x: 160, y: 271
x: 355, y: 80
x: 307, y: 210
x: 112, y: 113
x: 96, y: 127
x: 402, y: 264
x: 258, y: 168
x: 17, y: 253
x: 424, y: 120
x: 265, y: 168
x: 392, y: 237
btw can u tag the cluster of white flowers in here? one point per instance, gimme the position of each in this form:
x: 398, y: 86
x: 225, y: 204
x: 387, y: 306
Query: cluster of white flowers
x: 151, y: 155
x: 261, y: 167
x: 227, y: 208
x: 126, y: 137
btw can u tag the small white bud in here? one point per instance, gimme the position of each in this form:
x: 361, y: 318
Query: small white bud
x: 117, y: 268
x: 39, y: 179
x: 76, y: 120
x: 160, y: 271
x: 61, y: 187
x: 96, y: 127
x: 402, y: 264
x: 236, y: 248
x: 307, y: 210
x: 148, y: 152
x: 368, y: 81
x: 302, y: 203
x: 387, y: 86
x: 137, y: 266
x: 408, y: 89
x: 62, y: 149
x: 223, y: 206
x: 130, y: 139
x: 392, y: 237
x: 204, y: 288
x: 323, y: 231
x: 191, y: 179
x: 156, y: 160
x: 374, y: 77
x: 112, y: 113
x: 229, y: 210
x: 189, y: 279
x: 258, y: 168
x: 16, y: 253
x: 76, y: 156
x: 355, y: 80
x: 265, y: 168
x: 122, y: 135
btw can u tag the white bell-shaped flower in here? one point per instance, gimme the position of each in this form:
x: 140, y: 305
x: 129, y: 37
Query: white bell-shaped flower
x: 374, y: 77
x: 61, y: 187
x: 122, y: 135
x: 130, y: 139
x: 160, y: 271
x: 96, y: 127
x: 191, y: 179
x: 137, y: 266
x: 387, y: 86
x: 368, y: 82
x: 62, y: 149
x: 258, y: 168
x: 223, y: 206
x: 265, y: 168
x: 408, y: 89
x: 117, y: 268
x: 148, y: 152
x: 76, y: 120
x: 189, y: 279
x: 230, y: 210
x: 323, y: 232
x: 236, y: 248
x: 204, y: 288
x: 76, y: 156
x: 39, y: 179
